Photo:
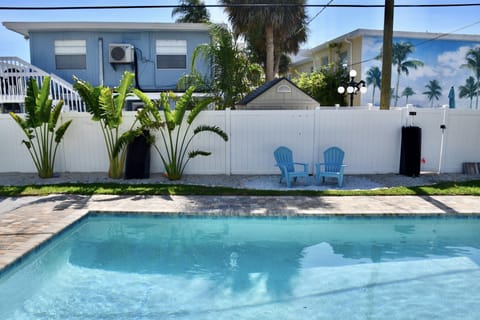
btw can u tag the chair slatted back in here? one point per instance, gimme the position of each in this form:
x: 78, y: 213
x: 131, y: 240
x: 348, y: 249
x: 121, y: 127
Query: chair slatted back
x: 333, y: 158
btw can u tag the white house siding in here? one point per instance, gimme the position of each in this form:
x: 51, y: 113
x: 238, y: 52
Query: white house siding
x: 371, y: 140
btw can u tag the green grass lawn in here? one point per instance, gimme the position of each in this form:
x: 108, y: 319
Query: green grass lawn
x: 444, y: 188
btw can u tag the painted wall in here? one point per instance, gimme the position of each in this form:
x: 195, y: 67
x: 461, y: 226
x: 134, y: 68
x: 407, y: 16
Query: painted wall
x: 443, y: 61
x: 371, y: 140
x: 42, y: 52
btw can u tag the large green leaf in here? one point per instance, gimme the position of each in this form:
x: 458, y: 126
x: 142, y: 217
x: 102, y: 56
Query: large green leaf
x: 61, y: 131
x: 213, y: 129
x: 182, y: 105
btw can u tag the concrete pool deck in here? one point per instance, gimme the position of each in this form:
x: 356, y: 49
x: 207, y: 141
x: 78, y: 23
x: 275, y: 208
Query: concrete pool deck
x: 27, y: 222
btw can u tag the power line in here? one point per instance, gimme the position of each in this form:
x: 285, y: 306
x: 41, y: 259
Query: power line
x: 239, y: 5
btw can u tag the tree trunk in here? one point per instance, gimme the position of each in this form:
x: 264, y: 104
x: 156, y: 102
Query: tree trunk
x: 387, y: 55
x: 270, y: 63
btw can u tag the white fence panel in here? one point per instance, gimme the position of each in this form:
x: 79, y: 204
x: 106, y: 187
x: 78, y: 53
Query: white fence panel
x: 462, y: 139
x: 256, y: 134
x: 14, y: 156
x: 430, y: 121
x: 371, y: 140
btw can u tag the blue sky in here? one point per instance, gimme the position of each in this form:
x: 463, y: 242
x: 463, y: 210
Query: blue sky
x: 329, y: 24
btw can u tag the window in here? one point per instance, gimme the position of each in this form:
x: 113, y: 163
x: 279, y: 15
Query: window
x: 70, y: 54
x: 325, y: 61
x: 171, y: 54
x: 343, y: 58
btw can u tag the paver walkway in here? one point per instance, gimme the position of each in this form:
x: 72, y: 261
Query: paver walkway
x: 27, y: 222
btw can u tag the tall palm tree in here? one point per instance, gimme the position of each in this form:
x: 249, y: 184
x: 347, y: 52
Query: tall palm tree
x: 434, y: 91
x: 469, y: 90
x: 407, y: 92
x: 374, y: 78
x: 191, y: 11
x: 401, y: 51
x: 279, y: 21
x: 473, y: 62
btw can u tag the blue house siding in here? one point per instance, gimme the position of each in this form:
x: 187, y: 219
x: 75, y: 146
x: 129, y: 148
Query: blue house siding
x: 42, y: 51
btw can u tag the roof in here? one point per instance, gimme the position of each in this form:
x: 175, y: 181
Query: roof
x: 24, y: 28
x: 397, y: 34
x: 263, y: 88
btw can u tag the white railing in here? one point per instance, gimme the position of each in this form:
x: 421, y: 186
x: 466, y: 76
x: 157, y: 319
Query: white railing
x: 14, y: 75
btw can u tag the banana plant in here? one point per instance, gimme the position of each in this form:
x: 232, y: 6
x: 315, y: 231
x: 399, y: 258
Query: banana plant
x: 106, y: 106
x: 177, y: 134
x: 40, y: 126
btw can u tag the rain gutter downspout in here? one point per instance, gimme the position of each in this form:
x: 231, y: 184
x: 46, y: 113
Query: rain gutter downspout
x: 351, y: 52
x: 100, y: 61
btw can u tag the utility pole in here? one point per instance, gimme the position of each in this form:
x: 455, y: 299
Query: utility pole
x: 387, y: 55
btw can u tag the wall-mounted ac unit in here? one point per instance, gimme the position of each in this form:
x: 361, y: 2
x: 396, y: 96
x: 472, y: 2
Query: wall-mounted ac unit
x: 120, y: 53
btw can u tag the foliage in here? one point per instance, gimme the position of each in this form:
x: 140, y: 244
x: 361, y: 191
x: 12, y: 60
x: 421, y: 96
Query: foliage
x: 232, y: 74
x: 284, y: 28
x: 176, y: 140
x: 374, y: 78
x: 40, y: 126
x: 322, y: 85
x: 434, y: 91
x: 191, y: 11
x: 106, y: 106
x: 469, y: 90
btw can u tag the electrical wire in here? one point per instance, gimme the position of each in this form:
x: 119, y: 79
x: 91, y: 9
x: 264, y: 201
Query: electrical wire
x: 250, y: 5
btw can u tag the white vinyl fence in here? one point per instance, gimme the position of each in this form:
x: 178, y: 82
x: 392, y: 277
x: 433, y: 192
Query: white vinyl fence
x: 371, y: 140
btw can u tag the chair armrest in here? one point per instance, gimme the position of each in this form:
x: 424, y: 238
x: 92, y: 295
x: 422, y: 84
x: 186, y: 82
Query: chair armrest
x: 305, y: 165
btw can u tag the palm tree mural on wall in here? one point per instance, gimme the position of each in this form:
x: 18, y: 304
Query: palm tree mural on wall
x: 407, y: 92
x: 473, y: 63
x: 401, y: 51
x: 469, y: 90
x: 191, y: 11
x: 434, y: 91
x: 374, y: 78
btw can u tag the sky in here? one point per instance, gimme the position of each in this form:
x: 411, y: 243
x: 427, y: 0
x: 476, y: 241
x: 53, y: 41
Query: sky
x: 324, y: 25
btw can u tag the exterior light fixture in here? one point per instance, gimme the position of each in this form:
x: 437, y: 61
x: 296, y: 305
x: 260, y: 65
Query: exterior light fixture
x: 352, y: 87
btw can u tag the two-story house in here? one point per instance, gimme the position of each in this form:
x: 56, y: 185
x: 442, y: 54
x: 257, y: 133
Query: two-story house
x: 100, y: 52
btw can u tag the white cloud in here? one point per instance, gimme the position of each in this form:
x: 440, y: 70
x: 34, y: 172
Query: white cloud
x: 420, y: 72
x: 450, y: 62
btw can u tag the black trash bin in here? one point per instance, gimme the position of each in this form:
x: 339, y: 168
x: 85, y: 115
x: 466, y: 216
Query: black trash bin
x: 411, y: 150
x: 137, y: 165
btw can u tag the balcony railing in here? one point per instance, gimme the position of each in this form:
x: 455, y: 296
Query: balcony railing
x: 14, y: 75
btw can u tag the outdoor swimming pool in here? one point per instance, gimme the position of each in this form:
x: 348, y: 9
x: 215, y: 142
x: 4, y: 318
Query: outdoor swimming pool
x: 184, y: 267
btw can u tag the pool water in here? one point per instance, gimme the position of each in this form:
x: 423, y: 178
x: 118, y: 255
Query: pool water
x: 179, y: 267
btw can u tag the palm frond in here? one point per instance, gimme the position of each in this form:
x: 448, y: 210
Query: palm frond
x: 61, y: 131
x: 199, y: 107
x: 194, y: 153
x: 214, y: 129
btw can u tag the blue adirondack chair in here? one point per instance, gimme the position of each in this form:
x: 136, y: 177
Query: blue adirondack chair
x: 284, y: 158
x: 332, y: 166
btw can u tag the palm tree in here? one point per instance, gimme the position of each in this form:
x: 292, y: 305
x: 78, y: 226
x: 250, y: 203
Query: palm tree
x: 473, y: 62
x: 232, y: 74
x: 469, y: 90
x: 277, y: 22
x: 407, y: 92
x: 374, y: 78
x: 434, y: 91
x: 401, y: 50
x: 191, y: 11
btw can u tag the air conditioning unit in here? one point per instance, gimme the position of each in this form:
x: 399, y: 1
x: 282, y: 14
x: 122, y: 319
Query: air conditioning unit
x: 120, y: 53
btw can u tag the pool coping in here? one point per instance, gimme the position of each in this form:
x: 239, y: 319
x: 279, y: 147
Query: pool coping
x: 34, y: 223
